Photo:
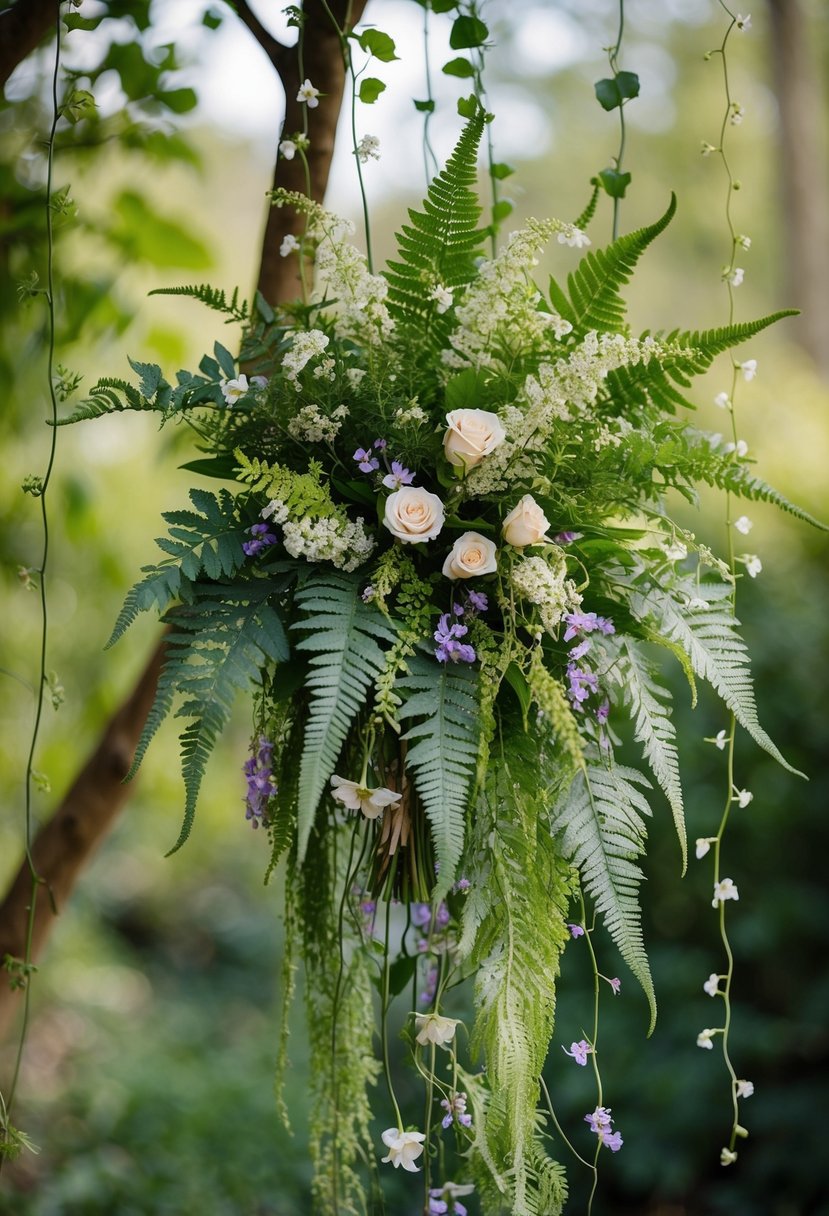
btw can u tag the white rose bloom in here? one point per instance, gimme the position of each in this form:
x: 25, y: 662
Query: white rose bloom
x: 404, y: 1148
x: 472, y: 554
x: 471, y: 436
x: 356, y: 797
x: 413, y: 514
x: 432, y: 1028
x: 526, y: 524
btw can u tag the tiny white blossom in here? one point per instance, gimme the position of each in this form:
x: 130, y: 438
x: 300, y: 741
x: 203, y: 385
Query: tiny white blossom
x: 707, y: 148
x: 715, y: 440
x: 287, y: 148
x: 443, y: 297
x: 432, y: 1028
x: 368, y: 149
x: 712, y: 984
x: 743, y: 524
x: 745, y: 1089
x: 232, y: 390
x: 720, y: 740
x: 749, y: 369
x: 573, y: 236
x: 308, y: 94
x: 705, y: 1039
x: 737, y: 114
x: 356, y: 797
x: 404, y: 1148
x: 727, y: 1157
x: 703, y: 844
x: 744, y: 241
x: 675, y: 551
x: 559, y: 326
x: 735, y: 276
x: 752, y: 563
x: 740, y: 447
x: 742, y: 798
x: 723, y: 890
x: 289, y: 245
x: 723, y: 401
x: 743, y: 23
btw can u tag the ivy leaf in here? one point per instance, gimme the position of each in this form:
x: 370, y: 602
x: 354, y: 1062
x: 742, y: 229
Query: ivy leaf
x: 378, y: 44
x: 614, y: 182
x: 467, y: 32
x: 458, y: 67
x: 468, y: 106
x: 370, y: 89
x: 74, y: 21
x: 425, y: 107
x: 500, y: 170
x: 612, y: 91
x: 212, y: 19
x: 501, y: 210
x: 79, y: 104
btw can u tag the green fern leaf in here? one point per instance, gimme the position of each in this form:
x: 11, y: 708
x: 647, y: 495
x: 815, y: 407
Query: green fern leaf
x: 162, y: 584
x: 234, y: 308
x: 602, y: 829
x: 654, y: 729
x: 344, y: 634
x: 444, y: 757
x: 594, y: 299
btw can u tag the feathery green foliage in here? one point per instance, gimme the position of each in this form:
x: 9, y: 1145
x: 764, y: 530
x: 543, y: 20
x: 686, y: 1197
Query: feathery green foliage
x: 234, y: 308
x: 602, y: 828
x: 343, y: 635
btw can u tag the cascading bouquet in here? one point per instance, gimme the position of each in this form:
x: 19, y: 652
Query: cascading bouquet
x: 445, y: 575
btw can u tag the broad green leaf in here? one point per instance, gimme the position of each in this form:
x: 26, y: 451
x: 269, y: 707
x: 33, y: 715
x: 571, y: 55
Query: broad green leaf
x: 458, y: 67
x: 467, y: 32
x: 370, y: 89
x: 378, y: 44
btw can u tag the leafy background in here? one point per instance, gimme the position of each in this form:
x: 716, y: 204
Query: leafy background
x: 146, y: 1075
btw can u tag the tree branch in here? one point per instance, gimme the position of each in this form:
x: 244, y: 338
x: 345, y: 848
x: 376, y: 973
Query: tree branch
x: 22, y: 28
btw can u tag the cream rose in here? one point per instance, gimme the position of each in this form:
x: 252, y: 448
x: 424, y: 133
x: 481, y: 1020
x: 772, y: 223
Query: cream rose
x: 413, y: 515
x: 471, y: 554
x: 472, y: 434
x: 526, y: 524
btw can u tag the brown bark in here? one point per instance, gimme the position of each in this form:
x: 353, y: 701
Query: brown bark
x: 22, y: 28
x: 803, y: 181
x: 64, y: 845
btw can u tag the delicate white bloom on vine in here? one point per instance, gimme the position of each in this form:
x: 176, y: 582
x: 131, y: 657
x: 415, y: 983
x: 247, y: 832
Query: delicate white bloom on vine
x: 749, y: 369
x: 413, y: 515
x: 433, y: 1028
x: 411, y: 414
x: 570, y: 235
x: 703, y: 844
x: 310, y: 425
x: 356, y: 797
x: 744, y: 241
x: 470, y: 436
x: 723, y: 890
x: 740, y: 447
x: 705, y: 1038
x: 737, y: 115
x: 707, y: 148
x: 727, y: 1157
x: 368, y: 149
x: 404, y: 1148
x: 542, y: 581
x: 471, y: 555
x: 734, y: 275
x: 308, y: 94
x: 675, y: 550
x: 743, y: 23
x: 289, y: 245
x: 723, y: 401
x: 287, y: 148
x: 305, y: 346
x: 743, y: 798
x: 526, y: 524
x: 232, y: 390
x: 720, y: 740
x: 712, y: 984
x: 743, y: 524
x: 443, y: 298
x: 745, y: 1089
x: 751, y: 562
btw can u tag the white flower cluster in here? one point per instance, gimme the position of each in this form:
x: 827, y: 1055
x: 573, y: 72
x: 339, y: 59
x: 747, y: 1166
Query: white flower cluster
x: 312, y: 426
x: 543, y: 582
x: 411, y: 414
x: 504, y: 300
x: 334, y: 539
x: 305, y: 346
x: 344, y: 276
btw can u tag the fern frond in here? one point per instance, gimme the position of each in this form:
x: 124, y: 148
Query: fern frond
x: 602, y: 827
x: 112, y: 395
x: 443, y: 696
x: 234, y: 308
x: 654, y: 729
x: 344, y: 635
x: 717, y: 653
x: 439, y: 244
x: 593, y: 300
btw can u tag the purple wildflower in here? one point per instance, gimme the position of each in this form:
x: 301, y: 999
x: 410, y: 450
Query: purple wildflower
x: 582, y: 683
x: 367, y: 594
x: 578, y: 652
x: 261, y: 785
x: 477, y: 601
x: 612, y: 1140
x: 399, y: 476
x: 603, y: 713
x: 567, y: 538
x: 463, y: 884
x: 600, y: 1122
x: 421, y: 914
x: 428, y: 993
x: 615, y: 984
x: 262, y: 538
x: 449, y: 648
x: 438, y: 1205
x: 366, y: 462
x: 579, y: 1051
x: 442, y: 916
x: 455, y: 1108
x: 576, y: 930
x: 380, y: 444
x: 586, y: 622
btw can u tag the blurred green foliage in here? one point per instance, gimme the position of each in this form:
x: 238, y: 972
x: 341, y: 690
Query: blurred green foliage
x: 147, y: 1075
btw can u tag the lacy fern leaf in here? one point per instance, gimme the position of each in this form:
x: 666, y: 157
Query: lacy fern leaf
x: 234, y: 308
x: 344, y: 635
x: 602, y: 827
x: 444, y: 757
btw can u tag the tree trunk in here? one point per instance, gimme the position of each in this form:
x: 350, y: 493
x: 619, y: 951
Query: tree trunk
x: 22, y: 28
